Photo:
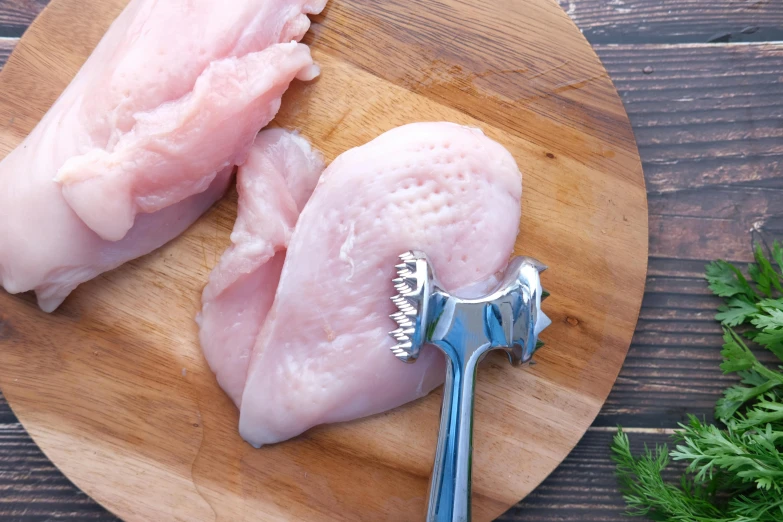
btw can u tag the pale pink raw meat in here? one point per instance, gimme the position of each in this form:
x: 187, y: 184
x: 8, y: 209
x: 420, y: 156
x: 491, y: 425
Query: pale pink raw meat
x: 273, y: 184
x: 152, y: 125
x: 323, y: 354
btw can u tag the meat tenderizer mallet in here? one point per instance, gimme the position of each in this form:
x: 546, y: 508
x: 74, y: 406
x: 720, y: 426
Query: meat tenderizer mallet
x: 508, y: 318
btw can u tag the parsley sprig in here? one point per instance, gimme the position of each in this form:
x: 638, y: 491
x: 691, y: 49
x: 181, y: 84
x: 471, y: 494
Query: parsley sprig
x: 734, y: 468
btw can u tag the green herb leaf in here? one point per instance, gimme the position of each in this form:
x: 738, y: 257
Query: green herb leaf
x: 770, y: 324
x: 736, y: 355
x: 777, y: 254
x: 726, y: 280
x: 763, y: 274
x: 736, y: 396
x: 736, y: 312
x: 759, y: 505
x: 749, y: 457
x: 768, y: 305
x: 766, y: 412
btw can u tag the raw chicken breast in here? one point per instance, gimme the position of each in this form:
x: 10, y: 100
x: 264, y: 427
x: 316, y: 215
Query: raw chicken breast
x: 176, y: 149
x: 153, y: 123
x: 273, y: 184
x: 323, y: 355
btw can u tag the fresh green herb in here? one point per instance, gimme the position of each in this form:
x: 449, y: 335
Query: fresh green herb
x: 734, y: 468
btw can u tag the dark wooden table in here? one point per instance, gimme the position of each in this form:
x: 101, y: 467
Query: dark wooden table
x: 702, y: 81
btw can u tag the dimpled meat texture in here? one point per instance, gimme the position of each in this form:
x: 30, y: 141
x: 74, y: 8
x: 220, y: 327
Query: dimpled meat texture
x: 323, y: 355
x: 273, y: 184
x: 145, y: 137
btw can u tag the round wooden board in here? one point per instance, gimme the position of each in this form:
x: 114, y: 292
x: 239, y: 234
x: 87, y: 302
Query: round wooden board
x: 113, y: 386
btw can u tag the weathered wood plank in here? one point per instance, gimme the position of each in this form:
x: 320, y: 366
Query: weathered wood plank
x: 713, y: 221
x: 32, y: 488
x: 705, y: 115
x: 6, y: 415
x: 709, y: 124
x: 16, y: 15
x: 677, y: 21
x: 602, y: 21
x: 6, y: 46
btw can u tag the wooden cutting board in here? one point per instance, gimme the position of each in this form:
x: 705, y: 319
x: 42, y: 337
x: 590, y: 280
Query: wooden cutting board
x: 113, y: 386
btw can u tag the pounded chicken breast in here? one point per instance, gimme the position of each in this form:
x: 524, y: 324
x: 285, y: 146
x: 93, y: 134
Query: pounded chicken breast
x: 323, y: 354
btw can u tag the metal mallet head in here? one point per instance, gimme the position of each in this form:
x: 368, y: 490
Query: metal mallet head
x: 507, y: 318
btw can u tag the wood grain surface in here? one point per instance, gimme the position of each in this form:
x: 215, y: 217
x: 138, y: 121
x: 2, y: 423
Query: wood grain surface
x: 677, y: 21
x: 671, y: 367
x: 117, y: 393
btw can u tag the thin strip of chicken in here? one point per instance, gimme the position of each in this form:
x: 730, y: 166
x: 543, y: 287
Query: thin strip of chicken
x: 274, y: 185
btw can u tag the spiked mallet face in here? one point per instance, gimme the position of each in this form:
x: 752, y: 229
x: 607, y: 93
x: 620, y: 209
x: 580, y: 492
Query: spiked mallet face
x: 413, y: 283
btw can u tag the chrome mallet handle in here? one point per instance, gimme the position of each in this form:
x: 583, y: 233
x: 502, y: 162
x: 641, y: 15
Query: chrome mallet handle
x: 451, y: 475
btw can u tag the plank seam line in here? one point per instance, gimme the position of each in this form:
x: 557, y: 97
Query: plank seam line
x: 773, y: 43
x: 652, y: 431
